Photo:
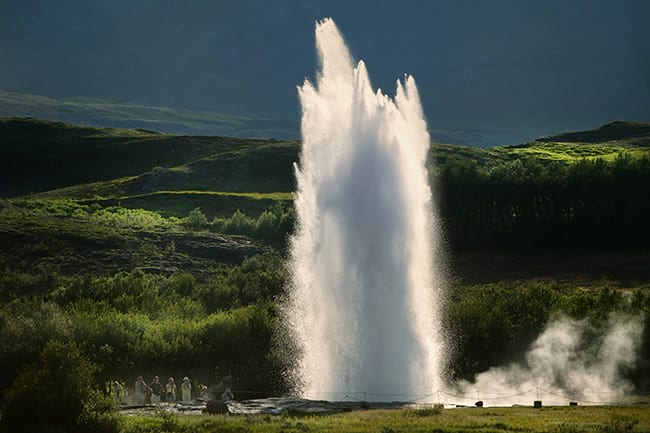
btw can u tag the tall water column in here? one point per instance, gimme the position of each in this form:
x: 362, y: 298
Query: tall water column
x: 364, y: 281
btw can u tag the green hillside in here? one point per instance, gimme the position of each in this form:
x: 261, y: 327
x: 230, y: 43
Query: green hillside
x: 141, y: 251
x: 636, y: 133
x: 42, y: 155
x: 57, y: 155
x: 606, y: 142
x: 488, y: 197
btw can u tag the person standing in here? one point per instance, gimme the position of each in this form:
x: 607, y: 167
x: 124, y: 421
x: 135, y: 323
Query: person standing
x: 140, y: 391
x: 118, y: 392
x: 156, y: 389
x: 227, y: 395
x: 186, y: 390
x: 170, y: 390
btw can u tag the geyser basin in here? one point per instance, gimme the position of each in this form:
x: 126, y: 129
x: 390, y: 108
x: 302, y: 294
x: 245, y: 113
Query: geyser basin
x: 364, y: 299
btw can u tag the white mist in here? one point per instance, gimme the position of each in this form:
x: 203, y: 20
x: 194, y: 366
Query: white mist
x: 561, y: 367
x: 364, y: 298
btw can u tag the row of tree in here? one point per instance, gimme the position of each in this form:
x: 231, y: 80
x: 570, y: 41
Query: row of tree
x: 532, y: 204
x: 522, y: 204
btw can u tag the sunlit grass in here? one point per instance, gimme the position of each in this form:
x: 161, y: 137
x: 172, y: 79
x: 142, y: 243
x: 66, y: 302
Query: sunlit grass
x: 251, y: 195
x: 567, y: 152
x: 213, y: 203
x: 572, y: 152
x: 484, y: 420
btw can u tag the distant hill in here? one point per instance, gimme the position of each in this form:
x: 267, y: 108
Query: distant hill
x: 110, y: 198
x: 133, y: 115
x: 42, y: 155
x: 144, y: 169
x: 177, y: 121
x: 629, y: 132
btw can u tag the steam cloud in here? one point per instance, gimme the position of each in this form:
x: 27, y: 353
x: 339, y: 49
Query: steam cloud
x: 566, y: 362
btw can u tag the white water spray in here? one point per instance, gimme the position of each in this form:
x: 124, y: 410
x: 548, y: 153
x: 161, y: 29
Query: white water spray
x: 364, y: 284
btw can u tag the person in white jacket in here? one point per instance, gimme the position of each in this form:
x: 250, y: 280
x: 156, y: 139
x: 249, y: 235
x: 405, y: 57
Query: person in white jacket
x: 186, y: 390
x: 140, y: 390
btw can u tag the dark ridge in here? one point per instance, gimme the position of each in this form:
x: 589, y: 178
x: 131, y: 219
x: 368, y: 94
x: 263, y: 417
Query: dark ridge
x: 42, y: 155
x: 617, y: 130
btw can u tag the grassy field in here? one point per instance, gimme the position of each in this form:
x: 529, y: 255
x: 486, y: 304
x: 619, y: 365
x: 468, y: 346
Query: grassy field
x: 181, y: 242
x: 41, y: 155
x: 174, y: 174
x: 70, y: 237
x: 607, y: 142
x: 85, y: 169
x: 60, y: 155
x: 213, y: 203
x: 484, y: 420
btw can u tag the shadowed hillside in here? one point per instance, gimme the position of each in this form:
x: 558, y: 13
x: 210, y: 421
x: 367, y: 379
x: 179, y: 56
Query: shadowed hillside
x: 42, y: 155
x: 619, y: 131
x: 133, y: 236
x: 568, y: 187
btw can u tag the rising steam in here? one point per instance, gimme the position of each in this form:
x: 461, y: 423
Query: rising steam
x: 566, y: 362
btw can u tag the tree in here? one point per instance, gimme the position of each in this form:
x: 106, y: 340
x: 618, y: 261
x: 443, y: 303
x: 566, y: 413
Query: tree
x: 58, y: 394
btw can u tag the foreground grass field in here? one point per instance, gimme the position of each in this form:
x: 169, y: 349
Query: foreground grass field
x: 483, y: 420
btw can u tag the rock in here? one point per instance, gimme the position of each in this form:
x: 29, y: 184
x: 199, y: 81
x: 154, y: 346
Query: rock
x: 216, y: 406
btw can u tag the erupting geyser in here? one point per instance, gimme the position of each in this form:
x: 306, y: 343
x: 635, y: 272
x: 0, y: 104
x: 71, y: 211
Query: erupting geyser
x: 364, y: 300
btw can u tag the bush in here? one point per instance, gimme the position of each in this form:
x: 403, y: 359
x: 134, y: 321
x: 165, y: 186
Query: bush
x: 423, y: 412
x: 98, y: 415
x: 57, y: 394
x: 26, y: 327
x: 196, y: 220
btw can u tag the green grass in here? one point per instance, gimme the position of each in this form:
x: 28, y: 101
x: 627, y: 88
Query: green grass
x: 485, y: 420
x: 267, y: 168
x: 40, y: 156
x: 618, y: 131
x: 572, y: 152
x: 108, y: 163
x: 212, y: 203
x: 70, y: 237
x: 543, y: 152
x: 167, y: 203
x: 112, y: 200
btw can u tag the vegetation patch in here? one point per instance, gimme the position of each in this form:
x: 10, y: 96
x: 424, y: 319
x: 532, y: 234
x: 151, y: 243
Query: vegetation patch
x: 132, y: 252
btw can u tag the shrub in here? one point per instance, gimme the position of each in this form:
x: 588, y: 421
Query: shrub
x: 240, y: 223
x: 98, y: 415
x: 420, y: 412
x: 196, y: 219
x: 60, y: 386
x: 168, y: 421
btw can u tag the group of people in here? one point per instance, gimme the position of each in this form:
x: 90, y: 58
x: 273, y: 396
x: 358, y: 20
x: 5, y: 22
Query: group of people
x: 156, y: 389
x: 156, y: 392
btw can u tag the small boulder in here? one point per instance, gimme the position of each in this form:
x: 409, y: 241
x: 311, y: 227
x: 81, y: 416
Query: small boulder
x: 216, y: 406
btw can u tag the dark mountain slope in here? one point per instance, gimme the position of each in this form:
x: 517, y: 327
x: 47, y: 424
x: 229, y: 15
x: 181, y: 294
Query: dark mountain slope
x: 40, y: 155
x: 634, y: 132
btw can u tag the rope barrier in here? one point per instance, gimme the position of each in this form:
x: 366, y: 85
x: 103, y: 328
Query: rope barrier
x: 537, y: 394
